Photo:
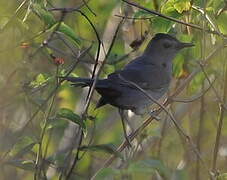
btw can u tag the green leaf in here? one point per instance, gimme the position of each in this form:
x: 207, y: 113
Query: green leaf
x: 22, y: 164
x: 180, y: 174
x: 222, y: 19
x: 106, y: 173
x: 3, y: 22
x: 22, y: 147
x: 168, y: 7
x: 40, y: 80
x: 141, y: 13
x: 58, y: 159
x: 43, y: 14
x: 216, y: 4
x: 172, y: 8
x: 196, y: 82
x: 108, y: 69
x: 161, y: 25
x: 25, y: 150
x: 178, y: 65
x: 222, y: 176
x: 108, y: 148
x: 69, y: 32
x: 71, y: 116
x: 182, y: 5
x: 149, y: 166
x: 56, y: 123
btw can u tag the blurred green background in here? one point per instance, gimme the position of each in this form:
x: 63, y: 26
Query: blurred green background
x: 42, y: 118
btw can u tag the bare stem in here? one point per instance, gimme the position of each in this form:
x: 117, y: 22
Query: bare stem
x: 220, y: 123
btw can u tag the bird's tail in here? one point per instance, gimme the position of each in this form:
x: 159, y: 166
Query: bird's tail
x: 79, y: 82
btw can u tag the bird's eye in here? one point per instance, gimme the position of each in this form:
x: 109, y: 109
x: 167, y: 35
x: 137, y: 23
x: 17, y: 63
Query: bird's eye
x: 167, y: 45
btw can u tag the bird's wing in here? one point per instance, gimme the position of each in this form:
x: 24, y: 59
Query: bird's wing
x: 147, y: 77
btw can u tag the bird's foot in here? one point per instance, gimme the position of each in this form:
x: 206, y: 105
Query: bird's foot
x: 153, y: 114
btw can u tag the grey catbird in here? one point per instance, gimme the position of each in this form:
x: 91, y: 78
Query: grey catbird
x: 152, y: 71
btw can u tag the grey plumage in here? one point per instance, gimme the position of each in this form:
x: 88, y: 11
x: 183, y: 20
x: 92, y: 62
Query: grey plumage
x: 152, y: 71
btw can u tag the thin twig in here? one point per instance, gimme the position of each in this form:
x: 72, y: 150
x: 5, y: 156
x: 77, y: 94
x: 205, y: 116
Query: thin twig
x: 194, y: 97
x: 84, y: 114
x: 101, y: 66
x: 127, y: 17
x: 206, y: 16
x: 219, y: 99
x: 67, y: 45
x: 170, y: 18
x: 163, y: 133
x: 39, y: 163
x: 202, y: 101
x: 86, y: 4
x: 220, y: 124
x: 77, y: 155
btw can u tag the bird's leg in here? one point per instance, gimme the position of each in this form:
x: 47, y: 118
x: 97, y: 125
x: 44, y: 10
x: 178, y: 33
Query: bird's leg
x: 123, y: 118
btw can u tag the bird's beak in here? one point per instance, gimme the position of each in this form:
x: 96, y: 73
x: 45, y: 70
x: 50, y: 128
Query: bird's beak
x: 184, y: 45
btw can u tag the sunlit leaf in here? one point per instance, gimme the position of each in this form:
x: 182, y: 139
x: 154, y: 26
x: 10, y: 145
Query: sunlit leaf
x: 182, y: 5
x: 71, y: 116
x: 222, y: 176
x: 222, y: 22
x: 168, y: 7
x: 40, y: 80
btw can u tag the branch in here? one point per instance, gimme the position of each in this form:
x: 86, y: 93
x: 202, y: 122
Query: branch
x: 171, y: 18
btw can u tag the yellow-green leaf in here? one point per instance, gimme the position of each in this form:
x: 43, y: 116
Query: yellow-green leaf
x: 71, y: 116
x: 22, y: 164
x: 69, y: 32
x: 108, y: 148
x: 222, y: 176
x: 183, y: 5
x: 44, y: 15
x: 222, y: 19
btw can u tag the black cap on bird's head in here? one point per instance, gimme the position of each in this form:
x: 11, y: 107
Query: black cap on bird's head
x: 165, y: 43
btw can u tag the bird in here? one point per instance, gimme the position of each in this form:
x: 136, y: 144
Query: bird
x: 151, y: 71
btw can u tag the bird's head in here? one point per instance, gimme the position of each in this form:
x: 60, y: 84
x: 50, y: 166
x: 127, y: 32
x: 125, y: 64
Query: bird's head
x: 165, y: 45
